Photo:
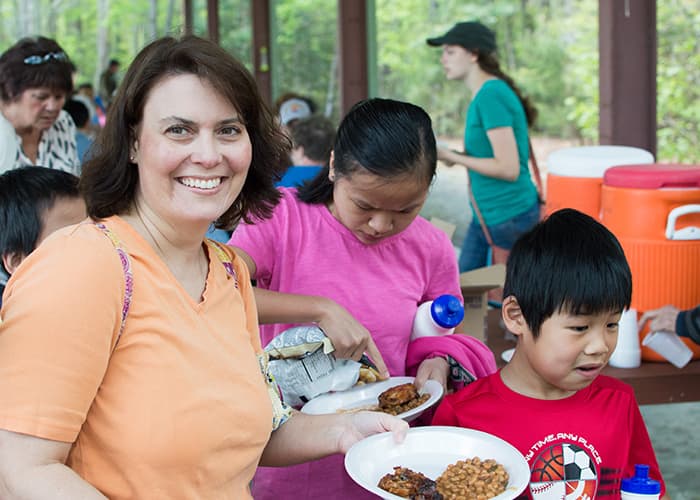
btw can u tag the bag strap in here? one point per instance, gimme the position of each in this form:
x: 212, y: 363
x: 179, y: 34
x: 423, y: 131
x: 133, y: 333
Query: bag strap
x: 536, y: 171
x: 128, y: 276
x: 225, y: 260
x: 484, y: 227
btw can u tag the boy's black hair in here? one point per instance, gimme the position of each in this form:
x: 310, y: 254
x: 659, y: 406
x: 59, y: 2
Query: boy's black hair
x: 315, y: 134
x: 568, y: 262
x: 26, y: 193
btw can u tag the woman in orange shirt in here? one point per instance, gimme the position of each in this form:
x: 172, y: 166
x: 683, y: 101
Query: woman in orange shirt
x: 129, y: 348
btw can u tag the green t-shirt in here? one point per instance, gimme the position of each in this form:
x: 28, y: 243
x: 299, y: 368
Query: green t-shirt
x: 496, y: 105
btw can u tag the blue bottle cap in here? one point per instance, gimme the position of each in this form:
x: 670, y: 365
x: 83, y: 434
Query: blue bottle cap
x: 447, y: 311
x: 640, y: 483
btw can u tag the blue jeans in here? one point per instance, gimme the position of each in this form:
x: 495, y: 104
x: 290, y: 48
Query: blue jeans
x: 475, y: 248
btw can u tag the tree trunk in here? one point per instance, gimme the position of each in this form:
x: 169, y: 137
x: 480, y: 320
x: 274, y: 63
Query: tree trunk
x: 153, y: 20
x: 169, y: 17
x: 102, y: 26
x: 332, y: 77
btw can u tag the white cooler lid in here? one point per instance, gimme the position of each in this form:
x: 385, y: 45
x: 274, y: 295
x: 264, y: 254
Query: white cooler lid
x: 593, y: 161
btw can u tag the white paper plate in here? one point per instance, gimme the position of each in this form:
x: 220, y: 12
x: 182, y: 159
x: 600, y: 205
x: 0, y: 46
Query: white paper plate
x: 430, y: 450
x: 366, y: 395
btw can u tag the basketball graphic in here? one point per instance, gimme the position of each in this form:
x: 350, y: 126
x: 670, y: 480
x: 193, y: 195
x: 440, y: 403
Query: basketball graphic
x: 549, y: 465
x: 563, y: 471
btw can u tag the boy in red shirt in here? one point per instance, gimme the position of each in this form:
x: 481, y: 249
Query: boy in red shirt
x: 567, y: 282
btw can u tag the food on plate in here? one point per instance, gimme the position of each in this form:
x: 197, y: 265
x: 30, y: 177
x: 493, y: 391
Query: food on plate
x: 368, y: 375
x: 473, y: 479
x: 409, y: 484
x: 470, y: 479
x: 394, y: 401
x: 401, y: 398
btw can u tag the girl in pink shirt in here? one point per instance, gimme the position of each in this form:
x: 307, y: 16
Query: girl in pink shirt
x: 349, y: 252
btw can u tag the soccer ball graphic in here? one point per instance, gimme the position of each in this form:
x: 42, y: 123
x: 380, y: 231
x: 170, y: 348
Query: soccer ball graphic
x: 563, y: 471
x: 577, y: 463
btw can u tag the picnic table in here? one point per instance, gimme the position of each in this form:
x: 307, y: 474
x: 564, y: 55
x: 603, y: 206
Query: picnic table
x: 653, y: 382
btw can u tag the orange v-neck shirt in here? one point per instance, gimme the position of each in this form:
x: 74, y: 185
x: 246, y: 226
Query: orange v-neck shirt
x: 178, y: 410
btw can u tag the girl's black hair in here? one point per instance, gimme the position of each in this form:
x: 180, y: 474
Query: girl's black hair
x: 382, y: 137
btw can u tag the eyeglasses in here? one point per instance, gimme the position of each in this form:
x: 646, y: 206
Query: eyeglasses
x: 36, y: 60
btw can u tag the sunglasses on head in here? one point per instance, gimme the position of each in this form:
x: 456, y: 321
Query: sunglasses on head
x: 35, y: 60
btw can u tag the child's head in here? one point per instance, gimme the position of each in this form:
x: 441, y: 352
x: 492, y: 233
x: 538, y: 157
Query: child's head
x: 312, y: 140
x: 34, y: 202
x: 383, y: 161
x: 567, y: 263
x: 566, y: 284
x: 78, y: 112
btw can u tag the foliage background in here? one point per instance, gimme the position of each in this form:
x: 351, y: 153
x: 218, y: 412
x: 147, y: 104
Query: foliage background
x: 550, y: 47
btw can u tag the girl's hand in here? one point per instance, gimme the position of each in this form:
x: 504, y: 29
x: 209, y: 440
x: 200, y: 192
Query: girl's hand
x: 360, y: 425
x: 350, y: 339
x: 433, y: 369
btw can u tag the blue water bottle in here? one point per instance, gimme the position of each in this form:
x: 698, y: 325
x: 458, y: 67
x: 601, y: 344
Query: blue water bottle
x: 640, y: 487
x: 437, y: 317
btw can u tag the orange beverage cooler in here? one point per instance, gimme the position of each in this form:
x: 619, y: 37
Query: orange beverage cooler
x: 654, y: 210
x: 575, y: 175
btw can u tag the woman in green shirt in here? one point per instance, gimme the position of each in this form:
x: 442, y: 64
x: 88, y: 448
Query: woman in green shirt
x: 496, y: 144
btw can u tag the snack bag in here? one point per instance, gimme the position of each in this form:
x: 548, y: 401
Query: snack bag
x: 302, y: 362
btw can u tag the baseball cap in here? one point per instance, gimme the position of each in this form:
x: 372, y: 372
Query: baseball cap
x: 470, y: 35
x: 293, y: 109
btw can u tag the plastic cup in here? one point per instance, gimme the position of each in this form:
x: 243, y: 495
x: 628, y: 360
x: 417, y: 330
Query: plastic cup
x: 670, y: 346
x: 627, y: 353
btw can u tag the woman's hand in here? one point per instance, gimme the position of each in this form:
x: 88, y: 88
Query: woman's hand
x: 350, y: 339
x: 433, y: 369
x: 446, y: 156
x: 310, y: 437
x: 663, y: 318
x: 366, y: 423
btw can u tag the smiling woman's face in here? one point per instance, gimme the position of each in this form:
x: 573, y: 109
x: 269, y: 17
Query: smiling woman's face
x: 37, y: 107
x: 193, y: 152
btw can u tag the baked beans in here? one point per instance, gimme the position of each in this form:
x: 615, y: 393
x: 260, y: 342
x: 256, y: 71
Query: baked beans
x: 472, y: 479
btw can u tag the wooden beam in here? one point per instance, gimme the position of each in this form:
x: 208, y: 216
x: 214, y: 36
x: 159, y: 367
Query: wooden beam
x: 262, y: 50
x: 627, y: 78
x: 352, y: 30
x: 213, y: 20
x: 187, y: 14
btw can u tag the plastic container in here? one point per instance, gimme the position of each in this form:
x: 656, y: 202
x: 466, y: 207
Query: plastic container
x: 575, y: 175
x: 437, y: 317
x: 627, y: 353
x: 670, y: 346
x: 654, y: 210
x: 640, y: 487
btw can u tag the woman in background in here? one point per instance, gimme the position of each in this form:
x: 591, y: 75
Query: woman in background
x: 496, y: 144
x: 35, y: 79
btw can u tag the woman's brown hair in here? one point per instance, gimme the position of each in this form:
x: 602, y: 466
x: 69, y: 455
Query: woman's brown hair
x: 109, y: 179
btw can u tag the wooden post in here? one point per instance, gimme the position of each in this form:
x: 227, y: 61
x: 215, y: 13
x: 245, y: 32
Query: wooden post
x: 187, y: 14
x: 627, y: 78
x: 213, y: 20
x: 262, y: 50
x: 352, y: 30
